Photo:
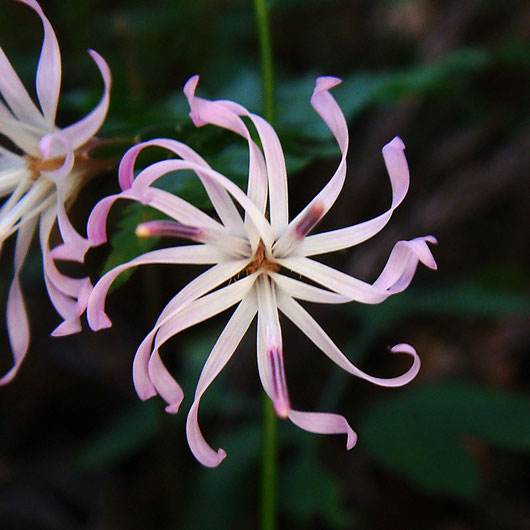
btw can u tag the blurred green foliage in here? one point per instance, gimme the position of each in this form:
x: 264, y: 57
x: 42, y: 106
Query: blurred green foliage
x: 430, y: 434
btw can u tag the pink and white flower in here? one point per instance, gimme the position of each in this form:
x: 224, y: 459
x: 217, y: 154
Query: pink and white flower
x: 40, y: 177
x: 249, y: 256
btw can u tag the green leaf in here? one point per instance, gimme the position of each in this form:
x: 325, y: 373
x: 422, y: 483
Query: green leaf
x: 424, y: 434
x: 125, y: 244
x: 307, y: 490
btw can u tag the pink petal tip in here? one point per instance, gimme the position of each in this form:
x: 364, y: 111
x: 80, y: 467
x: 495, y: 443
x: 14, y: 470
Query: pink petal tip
x: 326, y: 83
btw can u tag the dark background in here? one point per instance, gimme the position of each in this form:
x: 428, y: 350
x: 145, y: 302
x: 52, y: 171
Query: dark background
x: 450, y: 450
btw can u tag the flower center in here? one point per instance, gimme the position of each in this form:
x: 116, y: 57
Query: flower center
x: 260, y: 262
x: 37, y: 165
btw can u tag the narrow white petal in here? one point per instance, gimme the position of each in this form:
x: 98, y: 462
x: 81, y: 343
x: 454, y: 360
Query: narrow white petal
x: 271, y: 334
x: 215, y: 190
x: 305, y: 291
x: 398, y: 171
x: 16, y: 316
x: 328, y: 109
x: 309, y: 326
x: 16, y: 95
x: 204, y: 308
x: 335, y: 280
x: 221, y: 353
x: 192, y: 254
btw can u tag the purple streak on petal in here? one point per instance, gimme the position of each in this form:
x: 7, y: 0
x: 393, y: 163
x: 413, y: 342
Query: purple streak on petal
x: 80, y: 132
x: 164, y: 383
x: 308, y: 222
x: 164, y: 228
x: 324, y: 423
x: 328, y: 109
x: 146, y: 177
x: 270, y: 351
x: 321, y: 423
x: 221, y: 353
x: 48, y: 80
x: 280, y: 395
x: 398, y: 171
x: 16, y: 316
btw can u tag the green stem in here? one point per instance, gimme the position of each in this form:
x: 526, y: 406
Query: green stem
x: 270, y: 443
x: 269, y: 466
x: 267, y: 68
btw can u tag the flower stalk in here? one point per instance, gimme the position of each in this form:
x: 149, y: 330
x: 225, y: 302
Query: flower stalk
x: 269, y: 434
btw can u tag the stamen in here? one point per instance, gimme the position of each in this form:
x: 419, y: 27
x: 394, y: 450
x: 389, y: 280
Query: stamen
x: 301, y: 228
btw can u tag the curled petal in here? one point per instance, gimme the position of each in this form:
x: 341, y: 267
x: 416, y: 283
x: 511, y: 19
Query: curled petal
x: 220, y: 355
x: 12, y: 88
x: 74, y: 246
x: 227, y: 114
x: 97, y: 221
x: 398, y: 171
x: 317, y: 422
x: 56, y: 145
x: 142, y: 382
x: 80, y: 132
x: 164, y: 383
x: 324, y: 423
x: 143, y: 181
x: 395, y: 277
x: 328, y: 109
x: 17, y: 319
x: 68, y: 295
x: 216, y: 192
x: 201, y: 285
x: 309, y: 326
x: 403, y: 261
x: 219, y: 113
x: 48, y: 79
x: 196, y: 254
